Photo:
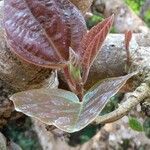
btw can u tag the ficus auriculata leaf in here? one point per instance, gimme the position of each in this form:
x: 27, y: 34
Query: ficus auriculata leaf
x: 41, y: 31
x: 91, y: 44
x: 62, y: 108
x: 87, y: 51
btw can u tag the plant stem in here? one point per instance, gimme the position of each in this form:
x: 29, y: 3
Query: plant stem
x: 80, y: 91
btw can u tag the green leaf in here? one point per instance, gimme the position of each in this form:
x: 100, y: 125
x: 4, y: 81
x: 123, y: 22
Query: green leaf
x: 146, y: 126
x: 75, y: 72
x: 135, y: 124
x: 62, y: 108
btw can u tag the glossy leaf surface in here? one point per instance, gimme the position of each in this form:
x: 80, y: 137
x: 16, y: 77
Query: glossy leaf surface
x: 92, y: 42
x: 41, y: 31
x: 63, y: 109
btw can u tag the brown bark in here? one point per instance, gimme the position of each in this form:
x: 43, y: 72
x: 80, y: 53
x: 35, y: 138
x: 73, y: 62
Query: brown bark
x: 83, y: 5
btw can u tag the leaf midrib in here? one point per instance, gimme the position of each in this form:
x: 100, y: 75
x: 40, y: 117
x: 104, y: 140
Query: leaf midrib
x: 49, y: 38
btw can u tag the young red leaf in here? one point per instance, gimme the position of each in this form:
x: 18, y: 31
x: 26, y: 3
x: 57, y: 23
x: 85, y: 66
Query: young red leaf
x: 91, y: 44
x: 41, y: 31
x: 73, y: 58
x: 62, y: 108
x: 128, y: 37
x: 72, y: 71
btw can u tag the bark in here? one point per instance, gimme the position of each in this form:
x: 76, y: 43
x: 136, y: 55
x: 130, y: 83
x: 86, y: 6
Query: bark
x: 125, y: 18
x: 83, y: 5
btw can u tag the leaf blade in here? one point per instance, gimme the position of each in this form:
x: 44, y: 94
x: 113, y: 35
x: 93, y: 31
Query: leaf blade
x: 40, y: 32
x: 53, y: 107
x: 92, y: 43
x: 98, y: 96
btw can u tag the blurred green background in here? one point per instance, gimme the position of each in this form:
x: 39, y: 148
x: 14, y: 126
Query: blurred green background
x: 135, y: 5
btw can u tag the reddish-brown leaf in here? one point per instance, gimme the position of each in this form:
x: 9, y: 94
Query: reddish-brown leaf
x: 128, y: 37
x: 88, y: 38
x: 91, y: 44
x: 41, y: 31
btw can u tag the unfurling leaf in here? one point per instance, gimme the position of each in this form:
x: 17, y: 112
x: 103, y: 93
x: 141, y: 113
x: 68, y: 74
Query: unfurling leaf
x: 128, y: 37
x: 74, y: 65
x: 62, y: 108
x: 91, y: 44
x: 41, y: 32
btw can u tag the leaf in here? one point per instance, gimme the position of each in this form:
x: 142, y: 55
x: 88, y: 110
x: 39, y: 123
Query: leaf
x: 54, y: 107
x: 91, y: 44
x: 52, y: 82
x: 62, y: 108
x: 74, y: 65
x: 73, y: 58
x: 41, y: 32
x: 135, y: 124
x: 128, y: 37
x: 78, y: 28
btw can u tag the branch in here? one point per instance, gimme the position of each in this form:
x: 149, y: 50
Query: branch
x: 133, y: 99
